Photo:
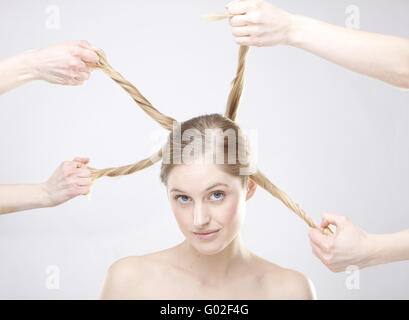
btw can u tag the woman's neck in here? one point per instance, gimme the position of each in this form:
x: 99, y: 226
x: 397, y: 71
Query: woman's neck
x: 215, y: 269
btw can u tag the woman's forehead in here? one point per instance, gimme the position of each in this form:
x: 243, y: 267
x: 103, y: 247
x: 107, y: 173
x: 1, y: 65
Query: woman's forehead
x: 197, y: 176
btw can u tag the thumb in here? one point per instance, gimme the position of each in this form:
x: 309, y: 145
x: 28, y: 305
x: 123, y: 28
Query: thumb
x: 83, y: 160
x: 331, y: 218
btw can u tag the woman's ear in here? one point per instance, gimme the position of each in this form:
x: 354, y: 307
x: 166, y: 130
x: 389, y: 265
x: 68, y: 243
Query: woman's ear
x: 251, y: 189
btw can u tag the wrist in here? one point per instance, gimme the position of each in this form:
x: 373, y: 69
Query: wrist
x: 45, y: 197
x: 30, y: 65
x: 293, y: 35
x: 375, y: 250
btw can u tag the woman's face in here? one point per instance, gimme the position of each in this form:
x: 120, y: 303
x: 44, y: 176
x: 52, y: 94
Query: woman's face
x: 204, y: 198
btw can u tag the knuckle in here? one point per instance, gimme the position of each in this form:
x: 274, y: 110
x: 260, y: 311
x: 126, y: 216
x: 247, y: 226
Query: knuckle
x: 70, y: 182
x: 66, y: 163
x: 256, y: 41
x: 66, y: 167
x: 330, y: 245
x: 83, y: 43
x: 342, y: 219
x: 326, y: 260
x: 335, y: 268
x: 75, y: 51
x: 74, y: 63
x: 326, y: 247
x: 255, y: 17
x: 256, y: 30
x: 72, y: 191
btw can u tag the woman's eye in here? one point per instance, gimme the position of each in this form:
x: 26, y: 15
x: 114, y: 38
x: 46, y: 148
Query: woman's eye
x: 218, y: 195
x: 184, y: 198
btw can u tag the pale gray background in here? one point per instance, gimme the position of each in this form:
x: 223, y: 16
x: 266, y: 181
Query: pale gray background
x: 332, y: 139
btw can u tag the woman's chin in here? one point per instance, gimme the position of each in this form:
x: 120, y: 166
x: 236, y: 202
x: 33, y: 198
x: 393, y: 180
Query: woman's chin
x: 205, y: 250
x: 208, y: 247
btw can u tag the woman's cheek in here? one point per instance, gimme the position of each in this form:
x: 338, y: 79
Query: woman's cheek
x: 182, y: 218
x: 230, y: 211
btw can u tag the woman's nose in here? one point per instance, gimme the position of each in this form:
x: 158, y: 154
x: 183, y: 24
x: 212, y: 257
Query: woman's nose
x: 200, y: 216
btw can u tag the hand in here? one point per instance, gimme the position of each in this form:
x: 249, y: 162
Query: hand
x: 259, y: 23
x: 70, y: 179
x: 64, y: 63
x: 349, y: 246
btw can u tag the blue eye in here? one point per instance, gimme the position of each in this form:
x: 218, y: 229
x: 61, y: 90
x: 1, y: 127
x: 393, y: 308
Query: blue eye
x: 220, y: 197
x: 183, y: 199
x: 181, y: 196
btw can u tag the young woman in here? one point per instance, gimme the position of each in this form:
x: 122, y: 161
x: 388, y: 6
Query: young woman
x: 208, y: 201
x: 208, y: 193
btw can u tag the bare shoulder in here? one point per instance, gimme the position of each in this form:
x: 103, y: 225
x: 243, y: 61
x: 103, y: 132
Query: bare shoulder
x: 282, y: 283
x: 127, y: 277
x: 121, y: 276
x: 294, y: 284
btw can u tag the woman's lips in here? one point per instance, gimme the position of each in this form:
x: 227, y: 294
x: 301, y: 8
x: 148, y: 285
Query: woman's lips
x: 207, y: 235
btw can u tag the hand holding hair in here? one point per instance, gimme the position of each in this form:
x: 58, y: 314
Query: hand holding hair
x: 64, y: 63
x: 352, y: 246
x: 70, y: 179
x: 261, y: 24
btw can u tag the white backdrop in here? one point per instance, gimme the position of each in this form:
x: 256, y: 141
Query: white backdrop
x: 332, y: 139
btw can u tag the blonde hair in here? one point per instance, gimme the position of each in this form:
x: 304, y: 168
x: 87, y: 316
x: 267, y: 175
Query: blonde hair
x: 201, y: 123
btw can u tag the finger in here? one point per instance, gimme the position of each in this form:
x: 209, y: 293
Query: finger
x: 75, y: 82
x: 85, y: 44
x: 242, y: 31
x: 83, y: 67
x: 241, y: 7
x: 82, y: 172
x: 83, y: 160
x: 243, y: 41
x: 317, y: 251
x: 332, y: 218
x: 78, y: 164
x: 82, y: 76
x: 84, y: 190
x: 68, y: 167
x: 82, y: 182
x: 319, y: 239
x: 87, y: 55
x: 238, y: 20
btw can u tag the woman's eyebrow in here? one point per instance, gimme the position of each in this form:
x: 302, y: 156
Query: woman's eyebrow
x: 212, y: 186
